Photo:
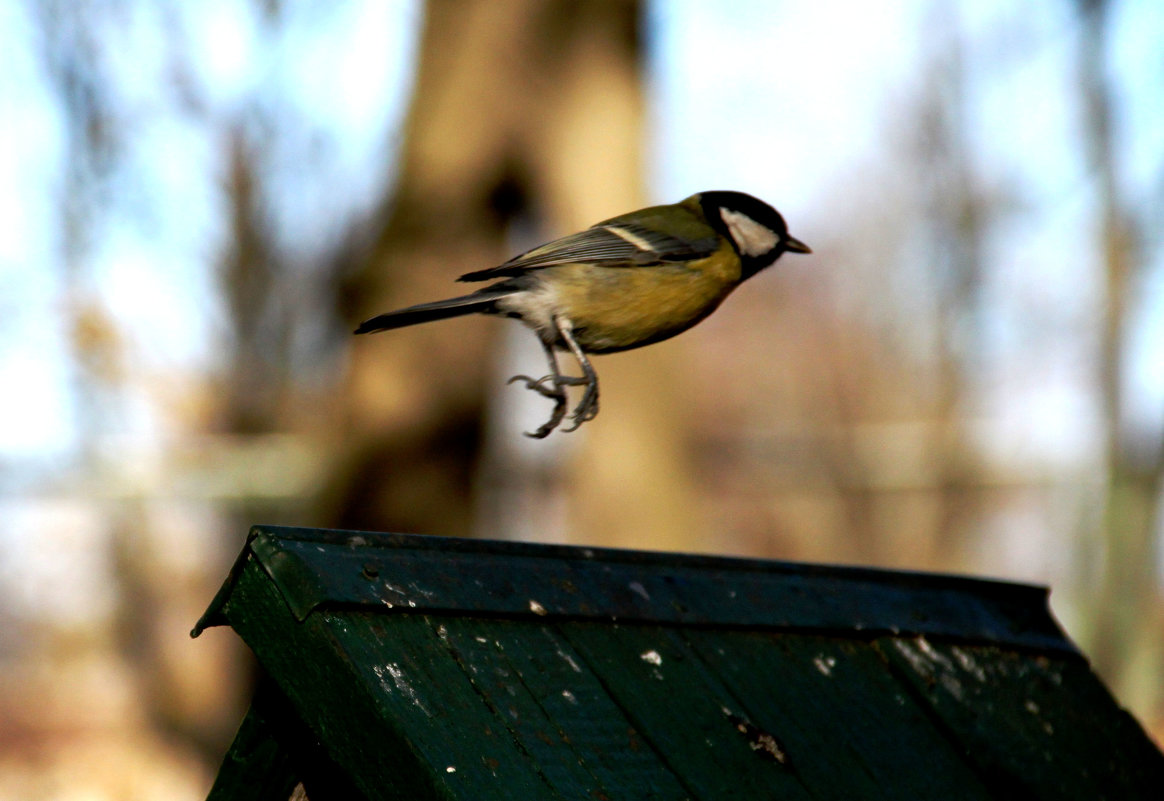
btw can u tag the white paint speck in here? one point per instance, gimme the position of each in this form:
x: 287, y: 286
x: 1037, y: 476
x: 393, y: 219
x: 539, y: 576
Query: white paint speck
x: 569, y: 696
x: 922, y: 656
x: 824, y: 664
x: 569, y: 660
x: 399, y: 683
x: 450, y: 769
x: 952, y: 686
x: 640, y: 590
x: 536, y: 608
x: 421, y: 591
x: 968, y: 663
x: 651, y: 656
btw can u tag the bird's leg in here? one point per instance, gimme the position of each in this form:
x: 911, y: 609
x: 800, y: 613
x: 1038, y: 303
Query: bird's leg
x: 587, y: 408
x: 552, y: 386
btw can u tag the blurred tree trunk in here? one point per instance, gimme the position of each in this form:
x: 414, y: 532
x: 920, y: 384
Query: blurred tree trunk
x: 246, y: 401
x: 1126, y: 617
x: 959, y: 216
x: 954, y: 215
x: 526, y: 114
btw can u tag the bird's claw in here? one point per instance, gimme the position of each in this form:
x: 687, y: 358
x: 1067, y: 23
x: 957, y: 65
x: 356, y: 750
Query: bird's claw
x: 587, y: 408
x: 554, y: 388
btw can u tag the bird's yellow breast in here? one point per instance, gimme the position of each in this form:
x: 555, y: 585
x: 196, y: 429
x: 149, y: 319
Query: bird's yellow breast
x: 618, y: 308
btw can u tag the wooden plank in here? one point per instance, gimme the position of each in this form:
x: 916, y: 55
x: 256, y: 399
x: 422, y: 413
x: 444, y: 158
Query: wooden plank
x: 684, y: 712
x: 433, y: 705
x: 849, y: 729
x: 391, y: 718
x: 558, y: 711
x: 258, y: 613
x: 1036, y: 727
x: 257, y: 767
x: 397, y: 573
x: 275, y: 756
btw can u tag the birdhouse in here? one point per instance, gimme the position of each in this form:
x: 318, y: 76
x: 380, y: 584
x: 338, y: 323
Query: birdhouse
x: 428, y: 668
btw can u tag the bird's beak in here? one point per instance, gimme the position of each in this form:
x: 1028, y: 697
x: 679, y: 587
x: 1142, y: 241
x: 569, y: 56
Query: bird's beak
x: 794, y: 245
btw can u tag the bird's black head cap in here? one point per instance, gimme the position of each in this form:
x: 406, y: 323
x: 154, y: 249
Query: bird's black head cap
x: 755, y: 229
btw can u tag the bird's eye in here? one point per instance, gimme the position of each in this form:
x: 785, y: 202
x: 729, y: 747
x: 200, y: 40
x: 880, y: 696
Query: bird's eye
x: 751, y: 237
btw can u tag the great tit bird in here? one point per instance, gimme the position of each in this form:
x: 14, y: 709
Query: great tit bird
x: 623, y: 283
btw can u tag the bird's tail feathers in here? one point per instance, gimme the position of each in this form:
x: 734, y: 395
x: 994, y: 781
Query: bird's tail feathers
x: 437, y: 310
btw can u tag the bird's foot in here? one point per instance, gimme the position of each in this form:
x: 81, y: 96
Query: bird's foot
x: 587, y: 408
x: 555, y: 391
x: 554, y: 388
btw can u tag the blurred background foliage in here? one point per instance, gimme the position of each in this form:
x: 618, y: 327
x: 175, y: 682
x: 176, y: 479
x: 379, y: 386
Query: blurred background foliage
x: 200, y: 200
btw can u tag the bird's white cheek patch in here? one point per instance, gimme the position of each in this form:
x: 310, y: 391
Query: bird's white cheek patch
x: 752, y: 238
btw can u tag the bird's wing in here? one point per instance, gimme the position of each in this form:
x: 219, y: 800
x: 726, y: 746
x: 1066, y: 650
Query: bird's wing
x: 615, y: 243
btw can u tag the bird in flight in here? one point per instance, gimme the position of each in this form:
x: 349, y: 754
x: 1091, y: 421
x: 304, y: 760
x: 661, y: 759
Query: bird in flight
x: 630, y: 281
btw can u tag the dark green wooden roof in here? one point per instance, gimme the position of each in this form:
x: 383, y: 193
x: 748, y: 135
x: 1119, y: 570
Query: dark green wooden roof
x: 431, y: 668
